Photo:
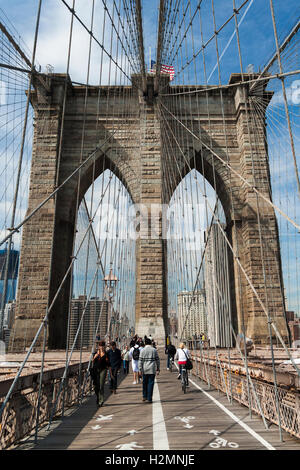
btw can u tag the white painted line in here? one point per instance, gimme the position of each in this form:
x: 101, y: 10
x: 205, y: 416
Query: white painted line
x: 235, y: 418
x: 160, y: 436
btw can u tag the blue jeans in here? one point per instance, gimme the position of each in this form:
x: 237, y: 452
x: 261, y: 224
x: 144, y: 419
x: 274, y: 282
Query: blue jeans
x: 125, y: 367
x: 148, y: 384
x: 168, y: 360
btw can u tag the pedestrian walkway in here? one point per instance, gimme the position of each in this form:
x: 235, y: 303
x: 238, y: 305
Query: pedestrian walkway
x: 199, y: 419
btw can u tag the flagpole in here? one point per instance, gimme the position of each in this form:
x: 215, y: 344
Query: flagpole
x: 149, y: 58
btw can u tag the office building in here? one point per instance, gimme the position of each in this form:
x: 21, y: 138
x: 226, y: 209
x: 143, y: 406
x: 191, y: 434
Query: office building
x: 12, y: 274
x: 217, y: 289
x: 192, y: 316
x: 95, y: 313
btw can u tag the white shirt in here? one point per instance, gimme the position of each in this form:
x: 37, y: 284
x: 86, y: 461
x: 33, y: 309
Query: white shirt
x: 180, y: 356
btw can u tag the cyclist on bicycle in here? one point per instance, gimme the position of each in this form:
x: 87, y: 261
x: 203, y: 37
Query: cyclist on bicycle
x: 171, y: 351
x: 182, y: 354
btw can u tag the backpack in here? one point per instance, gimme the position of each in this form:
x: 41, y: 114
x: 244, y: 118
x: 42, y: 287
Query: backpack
x: 171, y: 349
x: 136, y: 354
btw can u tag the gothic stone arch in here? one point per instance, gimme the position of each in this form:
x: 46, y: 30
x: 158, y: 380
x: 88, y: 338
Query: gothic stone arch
x: 134, y: 153
x: 231, y: 141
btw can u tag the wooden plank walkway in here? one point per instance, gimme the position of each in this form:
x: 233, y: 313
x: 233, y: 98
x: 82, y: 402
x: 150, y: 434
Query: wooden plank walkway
x: 191, y: 421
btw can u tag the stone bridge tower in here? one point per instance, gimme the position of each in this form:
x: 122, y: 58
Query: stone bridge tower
x: 134, y: 154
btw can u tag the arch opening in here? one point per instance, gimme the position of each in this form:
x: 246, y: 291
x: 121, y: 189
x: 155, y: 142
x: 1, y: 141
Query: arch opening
x: 200, y: 281
x: 101, y: 289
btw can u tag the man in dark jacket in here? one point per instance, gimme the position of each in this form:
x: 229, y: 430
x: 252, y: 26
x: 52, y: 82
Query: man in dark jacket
x: 171, y: 351
x: 115, y: 359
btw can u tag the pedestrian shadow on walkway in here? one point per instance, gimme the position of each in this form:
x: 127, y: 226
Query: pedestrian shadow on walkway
x: 77, y: 417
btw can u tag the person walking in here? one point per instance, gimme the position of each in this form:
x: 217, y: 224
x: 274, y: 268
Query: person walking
x: 170, y: 351
x: 182, y: 355
x: 141, y: 347
x: 134, y: 356
x: 115, y: 359
x: 126, y: 360
x: 100, y: 366
x: 149, y: 366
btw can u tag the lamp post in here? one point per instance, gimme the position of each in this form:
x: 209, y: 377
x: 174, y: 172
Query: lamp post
x: 110, y: 285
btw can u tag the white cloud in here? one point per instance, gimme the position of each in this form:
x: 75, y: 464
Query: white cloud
x: 53, y: 43
x: 292, y: 94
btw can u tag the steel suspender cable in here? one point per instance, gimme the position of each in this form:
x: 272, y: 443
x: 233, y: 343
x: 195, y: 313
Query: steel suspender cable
x: 12, y: 222
x: 253, y: 288
x: 285, y: 98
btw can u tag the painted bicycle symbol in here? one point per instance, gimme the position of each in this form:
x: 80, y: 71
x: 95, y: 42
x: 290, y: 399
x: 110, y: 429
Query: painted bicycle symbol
x: 220, y: 442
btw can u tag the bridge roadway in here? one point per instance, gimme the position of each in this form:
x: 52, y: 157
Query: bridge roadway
x: 201, y: 419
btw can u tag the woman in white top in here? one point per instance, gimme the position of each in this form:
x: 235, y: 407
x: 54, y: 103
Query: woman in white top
x: 181, y: 356
x: 135, y: 362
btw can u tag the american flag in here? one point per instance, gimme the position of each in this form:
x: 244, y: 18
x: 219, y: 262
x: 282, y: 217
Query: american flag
x: 163, y: 69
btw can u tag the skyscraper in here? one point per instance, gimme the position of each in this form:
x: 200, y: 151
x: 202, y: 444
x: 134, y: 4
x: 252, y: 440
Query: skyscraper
x: 192, y: 317
x: 217, y: 289
x: 12, y: 274
x: 173, y: 323
x: 96, y: 311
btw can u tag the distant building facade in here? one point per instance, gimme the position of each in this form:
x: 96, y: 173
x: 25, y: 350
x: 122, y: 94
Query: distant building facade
x: 173, y: 323
x: 294, y: 326
x: 9, y: 312
x: 217, y: 289
x: 192, y: 316
x: 96, y: 312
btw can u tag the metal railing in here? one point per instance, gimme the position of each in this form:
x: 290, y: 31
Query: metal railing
x: 260, y: 397
x: 19, y: 418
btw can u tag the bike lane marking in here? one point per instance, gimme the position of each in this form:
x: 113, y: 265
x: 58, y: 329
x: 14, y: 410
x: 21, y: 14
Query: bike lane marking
x: 235, y: 418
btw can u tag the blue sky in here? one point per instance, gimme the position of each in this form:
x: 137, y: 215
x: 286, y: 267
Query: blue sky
x: 256, y: 31
x: 257, y: 45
